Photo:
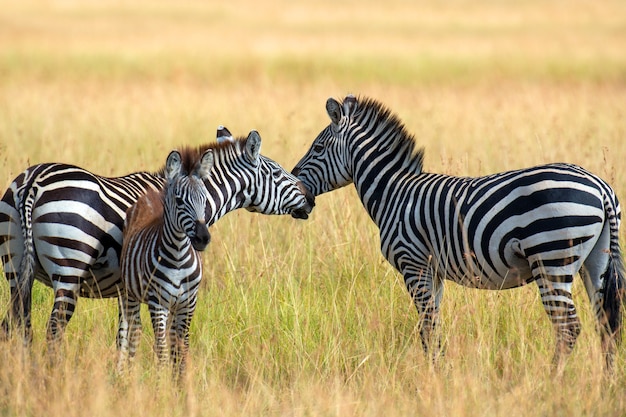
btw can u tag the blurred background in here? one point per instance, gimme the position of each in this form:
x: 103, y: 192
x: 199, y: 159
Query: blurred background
x: 466, y: 76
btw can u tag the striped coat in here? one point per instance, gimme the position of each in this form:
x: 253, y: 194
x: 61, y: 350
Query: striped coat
x: 160, y: 261
x: 543, y: 224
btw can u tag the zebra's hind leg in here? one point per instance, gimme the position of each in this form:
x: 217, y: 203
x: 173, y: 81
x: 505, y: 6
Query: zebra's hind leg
x: 19, y: 272
x: 556, y: 296
x: 427, y: 292
x: 603, y: 275
x: 19, y: 313
x: 65, y: 298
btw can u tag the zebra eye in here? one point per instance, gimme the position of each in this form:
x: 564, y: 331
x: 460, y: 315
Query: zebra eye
x: 179, y: 201
x: 318, y: 147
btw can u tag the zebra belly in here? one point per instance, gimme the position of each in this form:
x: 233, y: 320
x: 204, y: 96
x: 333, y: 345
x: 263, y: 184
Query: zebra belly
x: 99, y: 283
x: 513, y: 278
x: 76, y: 245
x: 98, y: 276
x: 512, y: 270
x: 43, y: 277
x: 104, y: 277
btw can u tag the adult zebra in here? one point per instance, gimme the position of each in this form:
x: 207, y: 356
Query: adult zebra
x: 160, y: 263
x: 542, y: 224
x: 62, y: 225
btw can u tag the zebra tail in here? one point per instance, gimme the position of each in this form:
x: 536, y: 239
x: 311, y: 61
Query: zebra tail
x: 26, y: 276
x: 615, y: 278
x: 614, y: 294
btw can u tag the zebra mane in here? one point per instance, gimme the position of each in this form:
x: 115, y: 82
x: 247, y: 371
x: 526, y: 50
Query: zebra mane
x: 190, y: 155
x: 146, y: 212
x: 149, y: 208
x: 375, y: 112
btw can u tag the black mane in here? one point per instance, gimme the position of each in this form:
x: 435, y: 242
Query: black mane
x: 402, y: 139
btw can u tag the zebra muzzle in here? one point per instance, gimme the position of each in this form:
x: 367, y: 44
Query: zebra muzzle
x: 202, y: 237
x: 303, y: 212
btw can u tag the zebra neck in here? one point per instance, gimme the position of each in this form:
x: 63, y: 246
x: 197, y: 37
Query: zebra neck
x: 219, y: 205
x: 379, y: 170
x: 224, y: 188
x: 174, y: 241
x: 174, y: 250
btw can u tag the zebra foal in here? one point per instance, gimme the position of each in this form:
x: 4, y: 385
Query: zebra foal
x: 160, y: 264
x: 543, y: 224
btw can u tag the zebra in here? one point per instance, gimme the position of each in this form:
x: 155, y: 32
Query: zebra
x: 543, y: 224
x: 160, y: 261
x: 62, y: 225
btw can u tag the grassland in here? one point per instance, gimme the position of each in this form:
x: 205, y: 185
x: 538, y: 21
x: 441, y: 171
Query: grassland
x: 306, y: 318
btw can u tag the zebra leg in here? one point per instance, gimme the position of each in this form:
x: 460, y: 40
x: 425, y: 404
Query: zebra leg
x: 603, y: 275
x: 65, y: 298
x: 595, y: 292
x: 20, y: 283
x: 128, y: 330
x: 19, y: 313
x: 160, y: 316
x: 135, y: 331
x: 180, y: 343
x: 426, y: 292
x: 556, y: 296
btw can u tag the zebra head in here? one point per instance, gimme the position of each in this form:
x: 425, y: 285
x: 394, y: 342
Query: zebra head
x: 186, y: 198
x: 326, y: 165
x: 272, y: 189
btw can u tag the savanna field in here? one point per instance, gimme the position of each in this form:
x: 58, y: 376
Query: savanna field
x: 306, y: 318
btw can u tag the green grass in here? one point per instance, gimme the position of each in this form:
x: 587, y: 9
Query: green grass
x: 307, y: 318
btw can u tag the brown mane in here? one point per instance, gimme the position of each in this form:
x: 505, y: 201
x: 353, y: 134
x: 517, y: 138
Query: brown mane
x: 190, y: 155
x: 148, y: 210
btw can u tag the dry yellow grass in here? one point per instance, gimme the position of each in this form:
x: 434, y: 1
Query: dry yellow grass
x: 306, y: 318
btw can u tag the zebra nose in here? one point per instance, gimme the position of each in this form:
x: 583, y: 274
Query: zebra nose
x: 310, y: 198
x: 202, y: 237
x: 303, y: 212
x: 296, y: 171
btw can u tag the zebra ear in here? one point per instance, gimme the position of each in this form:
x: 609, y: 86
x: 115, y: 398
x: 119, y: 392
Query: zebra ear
x: 204, y: 166
x: 333, y: 108
x: 253, y: 145
x: 224, y: 135
x: 349, y: 104
x: 173, y: 165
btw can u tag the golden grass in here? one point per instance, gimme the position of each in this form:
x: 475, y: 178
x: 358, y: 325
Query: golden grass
x: 306, y: 318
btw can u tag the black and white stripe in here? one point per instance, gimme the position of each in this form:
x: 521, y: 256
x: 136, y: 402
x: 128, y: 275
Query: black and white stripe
x: 160, y: 263
x: 542, y: 224
x: 62, y: 225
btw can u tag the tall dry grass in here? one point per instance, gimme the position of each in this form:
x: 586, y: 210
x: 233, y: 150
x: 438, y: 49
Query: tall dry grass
x: 306, y: 318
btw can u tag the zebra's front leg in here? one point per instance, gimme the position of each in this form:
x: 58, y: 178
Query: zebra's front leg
x: 426, y: 292
x: 556, y: 296
x: 160, y: 316
x: 179, y: 347
x: 128, y: 331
